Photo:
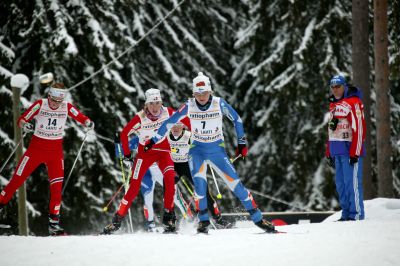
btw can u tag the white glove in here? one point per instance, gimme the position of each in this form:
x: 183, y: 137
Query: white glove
x: 28, y: 127
x: 89, y: 124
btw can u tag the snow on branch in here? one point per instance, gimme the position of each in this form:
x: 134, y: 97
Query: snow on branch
x: 5, y: 72
x: 203, y: 51
x: 121, y: 26
x: 281, y: 80
x: 61, y: 33
x: 167, y: 26
x: 100, y: 39
x: 6, y: 139
x: 263, y: 115
x: 137, y: 24
x: 275, y: 55
x: 117, y: 78
x: 244, y: 35
x: 7, y: 51
x: 167, y: 66
x: 307, y: 36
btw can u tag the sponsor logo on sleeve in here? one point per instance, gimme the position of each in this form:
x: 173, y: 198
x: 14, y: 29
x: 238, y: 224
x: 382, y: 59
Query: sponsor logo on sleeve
x: 74, y: 111
x: 34, y: 109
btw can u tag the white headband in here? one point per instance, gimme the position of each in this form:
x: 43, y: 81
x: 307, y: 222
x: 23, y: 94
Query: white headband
x: 59, y: 93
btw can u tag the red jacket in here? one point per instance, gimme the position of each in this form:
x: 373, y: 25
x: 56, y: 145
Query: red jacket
x: 146, y: 128
x: 349, y: 136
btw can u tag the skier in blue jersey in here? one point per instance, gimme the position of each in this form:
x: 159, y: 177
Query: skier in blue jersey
x: 205, y: 112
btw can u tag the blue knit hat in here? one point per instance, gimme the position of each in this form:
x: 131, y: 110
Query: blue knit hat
x: 337, y: 80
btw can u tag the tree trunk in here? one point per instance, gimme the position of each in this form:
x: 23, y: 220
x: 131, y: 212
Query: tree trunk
x: 361, y: 70
x: 384, y: 152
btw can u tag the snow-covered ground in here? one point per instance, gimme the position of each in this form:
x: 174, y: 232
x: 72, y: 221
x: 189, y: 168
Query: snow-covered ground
x: 374, y: 241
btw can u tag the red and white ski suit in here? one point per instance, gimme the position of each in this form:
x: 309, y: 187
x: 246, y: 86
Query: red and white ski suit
x: 45, y: 147
x: 145, y: 128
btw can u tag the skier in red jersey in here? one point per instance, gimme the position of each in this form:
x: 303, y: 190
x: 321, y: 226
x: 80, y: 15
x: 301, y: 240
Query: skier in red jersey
x: 50, y: 115
x: 145, y: 124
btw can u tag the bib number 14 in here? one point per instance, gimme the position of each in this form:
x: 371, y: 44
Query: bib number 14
x: 52, y: 122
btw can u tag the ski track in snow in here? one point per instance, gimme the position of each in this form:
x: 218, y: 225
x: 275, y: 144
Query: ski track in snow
x: 373, y: 241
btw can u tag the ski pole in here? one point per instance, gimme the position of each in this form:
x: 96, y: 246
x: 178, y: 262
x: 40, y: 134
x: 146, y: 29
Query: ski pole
x: 234, y: 159
x: 124, y: 180
x: 191, y: 198
x: 180, y: 200
x: 187, y: 186
x: 13, y: 151
x: 156, y: 149
x: 76, y: 159
x: 219, y: 196
x: 105, y: 209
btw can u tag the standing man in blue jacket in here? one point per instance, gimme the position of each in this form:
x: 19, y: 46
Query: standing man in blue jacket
x: 345, y: 148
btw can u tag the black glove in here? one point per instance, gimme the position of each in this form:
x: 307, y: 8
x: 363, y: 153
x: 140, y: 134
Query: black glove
x: 177, y: 179
x: 333, y: 123
x: 149, y: 144
x: 89, y: 125
x: 128, y: 161
x: 28, y: 127
x: 330, y: 161
x: 353, y: 160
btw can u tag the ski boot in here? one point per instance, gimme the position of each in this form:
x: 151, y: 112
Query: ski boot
x: 203, y: 226
x: 169, y: 220
x: 221, y: 223
x: 150, y: 226
x: 114, y: 225
x: 266, y: 226
x: 54, y: 226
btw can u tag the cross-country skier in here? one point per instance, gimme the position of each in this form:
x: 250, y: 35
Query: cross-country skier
x: 154, y: 175
x: 205, y: 112
x: 50, y: 115
x: 179, y: 138
x: 144, y: 124
x: 345, y: 148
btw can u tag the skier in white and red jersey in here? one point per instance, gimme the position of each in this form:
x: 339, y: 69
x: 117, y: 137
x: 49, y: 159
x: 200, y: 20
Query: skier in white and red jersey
x: 50, y: 116
x: 345, y: 147
x: 144, y: 124
x: 205, y: 112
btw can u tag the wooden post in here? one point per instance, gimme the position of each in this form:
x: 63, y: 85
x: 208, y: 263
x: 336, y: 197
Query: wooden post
x: 22, y: 214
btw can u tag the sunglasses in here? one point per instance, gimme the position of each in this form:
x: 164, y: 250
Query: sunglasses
x: 56, y: 100
x: 200, y: 93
